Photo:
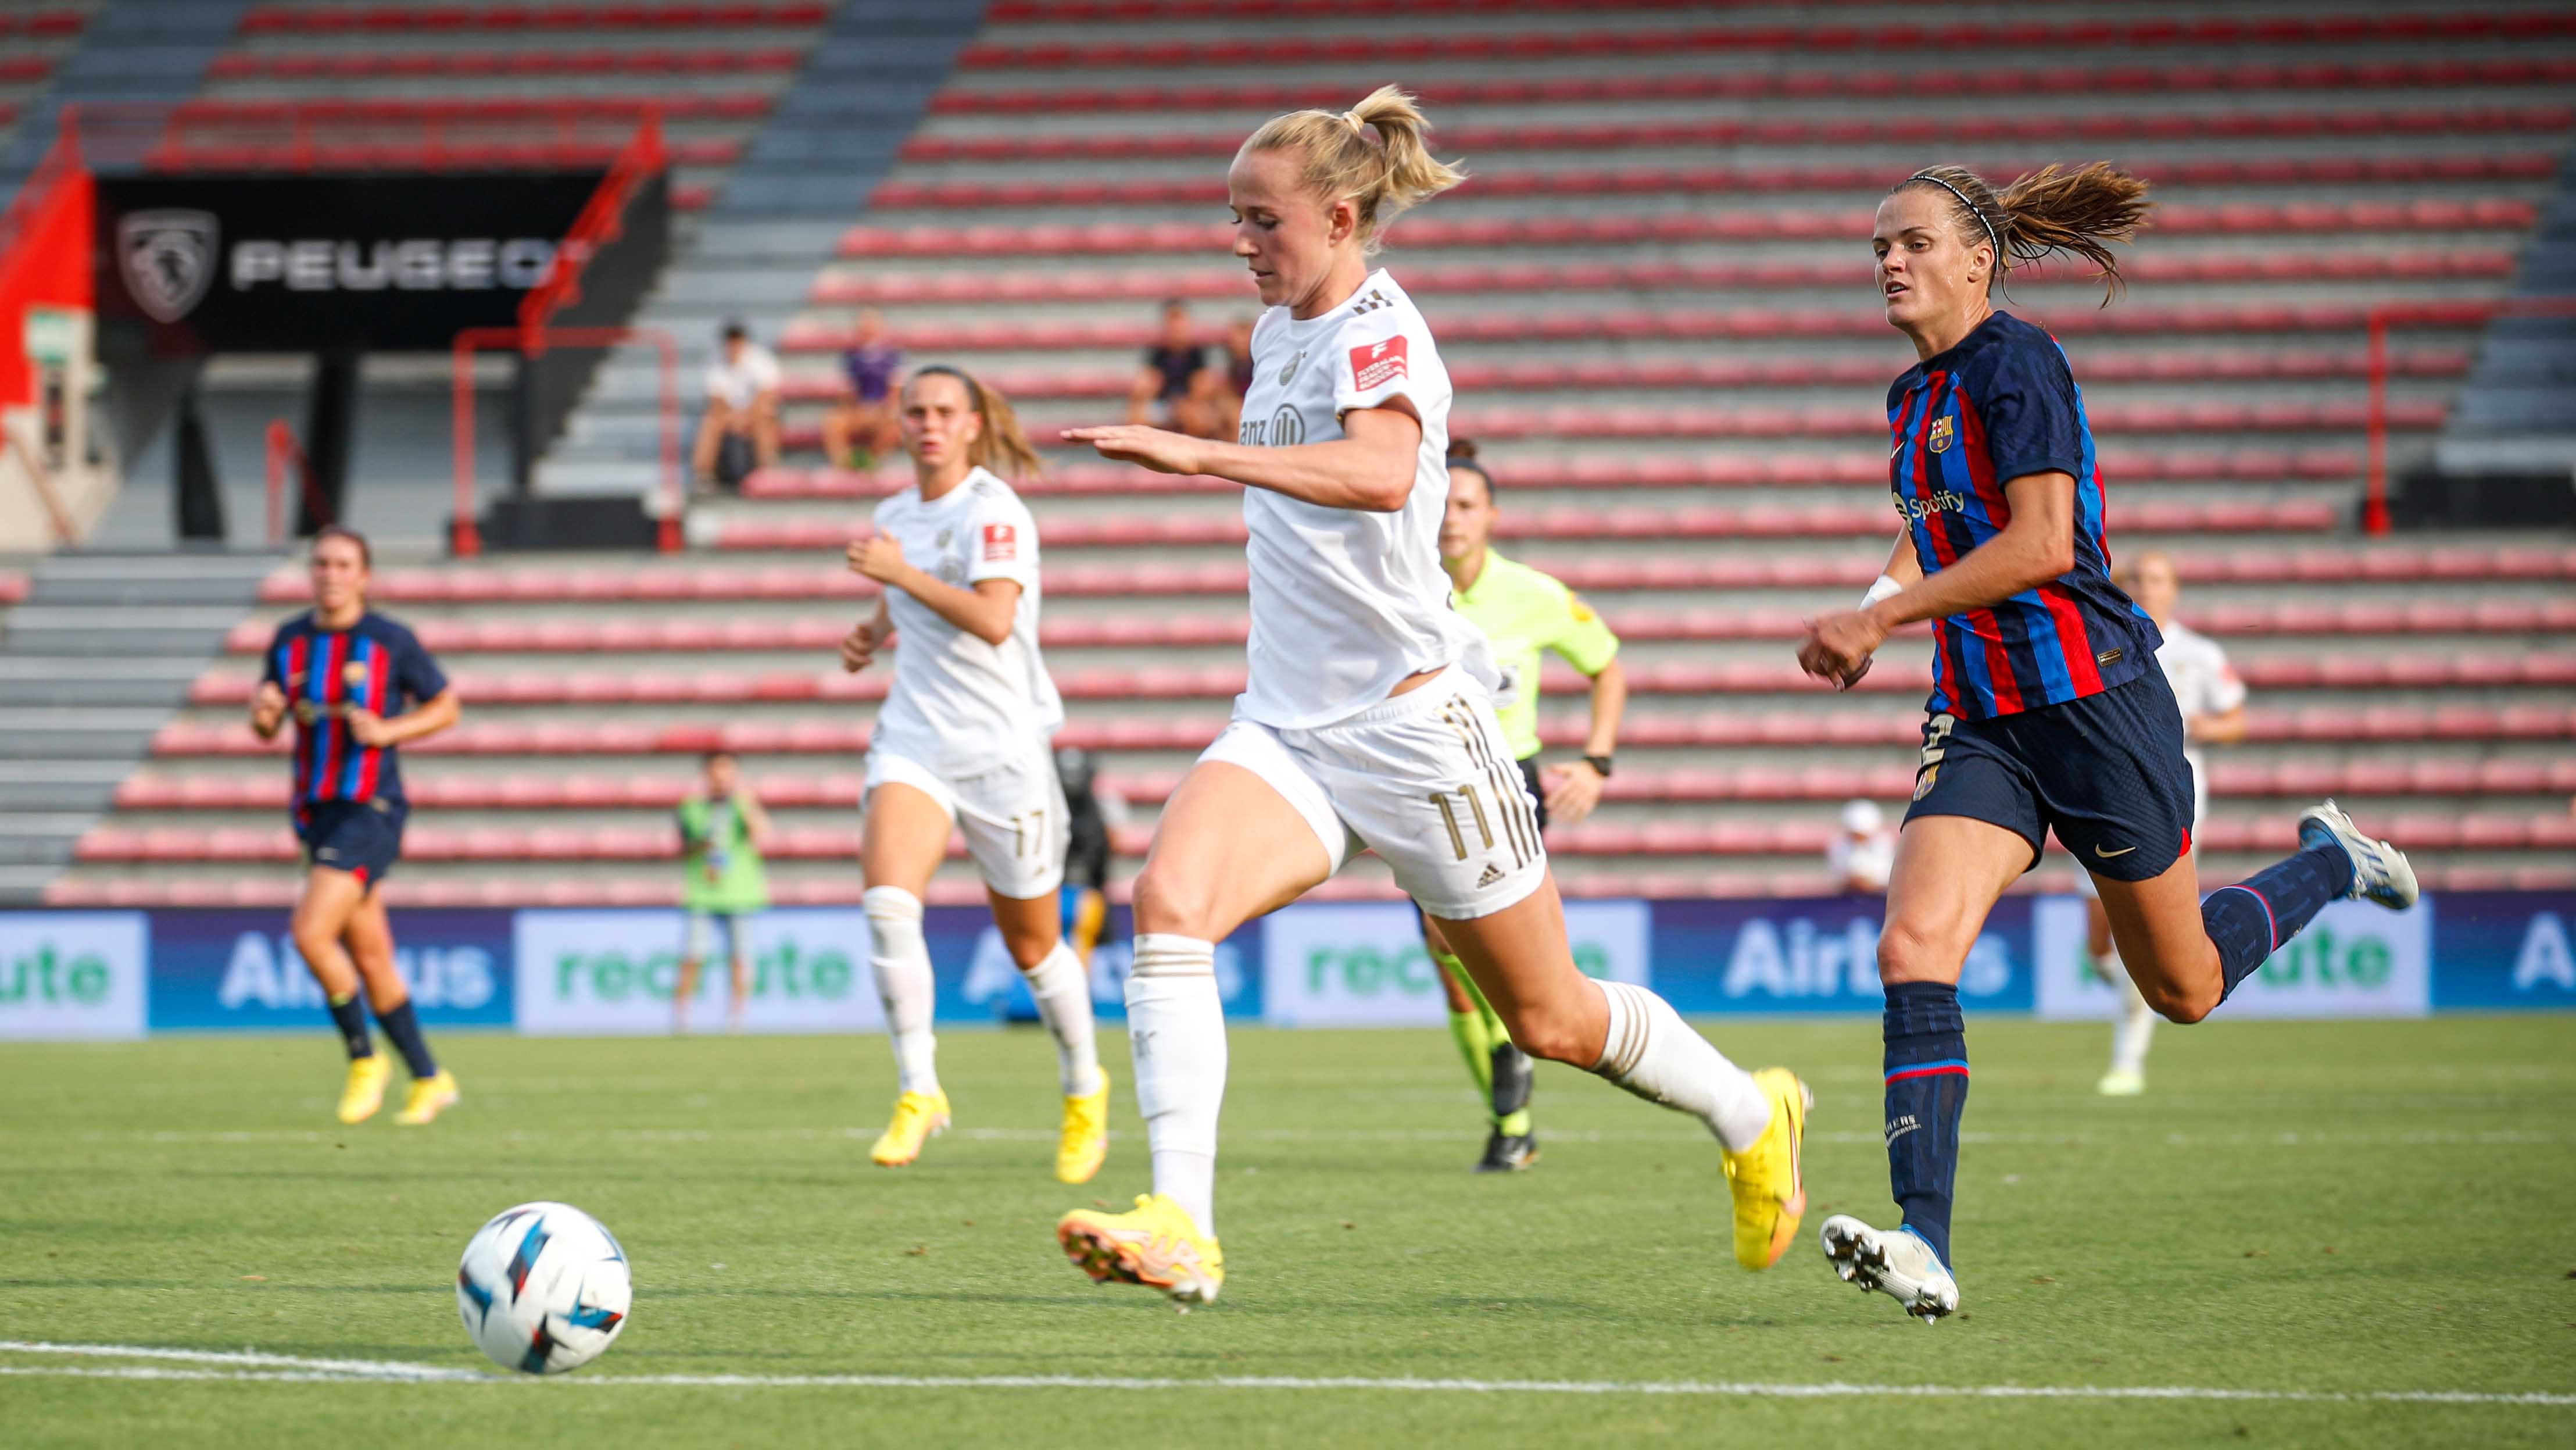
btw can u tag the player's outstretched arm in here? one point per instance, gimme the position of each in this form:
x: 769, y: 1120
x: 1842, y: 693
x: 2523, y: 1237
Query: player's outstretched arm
x: 2037, y: 545
x: 1371, y: 467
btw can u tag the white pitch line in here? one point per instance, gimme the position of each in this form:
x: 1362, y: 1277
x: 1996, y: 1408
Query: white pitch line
x: 248, y: 1358
x: 254, y: 1366
x: 2088, y: 1137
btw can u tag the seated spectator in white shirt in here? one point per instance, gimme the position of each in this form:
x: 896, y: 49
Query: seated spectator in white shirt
x: 742, y: 402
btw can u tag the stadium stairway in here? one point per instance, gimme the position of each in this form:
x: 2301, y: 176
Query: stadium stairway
x: 831, y: 136
x: 2517, y: 409
x: 42, y: 48
x: 407, y: 83
x: 1653, y: 297
x: 95, y: 651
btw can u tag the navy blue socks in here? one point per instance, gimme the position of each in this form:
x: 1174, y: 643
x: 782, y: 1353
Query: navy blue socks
x: 2249, y: 921
x: 1927, y: 1086
x: 351, y: 1019
x: 404, y: 1028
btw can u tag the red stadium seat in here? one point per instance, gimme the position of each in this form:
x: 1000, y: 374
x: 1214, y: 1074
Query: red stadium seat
x: 1989, y: 130
x: 1433, y: 232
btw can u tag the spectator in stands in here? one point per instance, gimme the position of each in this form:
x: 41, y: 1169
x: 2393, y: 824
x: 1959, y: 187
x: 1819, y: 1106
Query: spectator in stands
x: 2213, y: 713
x: 1238, y: 379
x: 721, y: 828
x: 1093, y: 811
x: 864, y: 425
x: 740, y: 429
x: 1863, y: 852
x: 1176, y: 379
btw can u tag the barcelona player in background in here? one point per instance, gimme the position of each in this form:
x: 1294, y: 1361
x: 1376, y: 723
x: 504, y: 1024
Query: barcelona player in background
x: 358, y: 686
x: 2047, y: 708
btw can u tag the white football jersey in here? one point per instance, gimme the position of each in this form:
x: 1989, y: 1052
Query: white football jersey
x: 1345, y: 602
x: 2203, y: 684
x: 959, y: 705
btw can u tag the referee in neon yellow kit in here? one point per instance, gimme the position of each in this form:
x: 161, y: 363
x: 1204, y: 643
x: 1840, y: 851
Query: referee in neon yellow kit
x: 1524, y: 614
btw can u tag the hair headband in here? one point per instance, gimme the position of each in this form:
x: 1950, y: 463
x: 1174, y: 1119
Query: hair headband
x: 974, y: 389
x: 1973, y: 209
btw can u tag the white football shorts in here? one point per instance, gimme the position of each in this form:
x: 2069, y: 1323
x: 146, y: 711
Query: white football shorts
x: 1013, y: 816
x: 1423, y: 779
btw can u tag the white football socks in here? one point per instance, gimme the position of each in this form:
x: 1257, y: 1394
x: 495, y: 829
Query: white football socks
x: 2137, y: 1023
x: 901, y: 962
x: 1653, y: 1053
x: 1176, y: 1025
x: 1063, y: 992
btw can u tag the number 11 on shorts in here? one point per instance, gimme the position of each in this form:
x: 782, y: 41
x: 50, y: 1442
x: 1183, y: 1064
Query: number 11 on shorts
x: 1449, y: 818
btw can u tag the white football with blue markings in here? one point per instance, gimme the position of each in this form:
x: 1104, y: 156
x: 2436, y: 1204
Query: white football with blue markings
x: 543, y: 1288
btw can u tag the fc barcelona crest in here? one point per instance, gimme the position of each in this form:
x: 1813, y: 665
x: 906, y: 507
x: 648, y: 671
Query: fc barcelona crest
x: 1943, y: 430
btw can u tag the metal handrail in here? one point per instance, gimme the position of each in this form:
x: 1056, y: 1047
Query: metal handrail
x: 2374, y: 501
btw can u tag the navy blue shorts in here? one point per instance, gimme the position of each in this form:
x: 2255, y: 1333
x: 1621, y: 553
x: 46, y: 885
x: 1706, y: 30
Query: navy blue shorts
x: 363, y: 838
x: 2105, y: 772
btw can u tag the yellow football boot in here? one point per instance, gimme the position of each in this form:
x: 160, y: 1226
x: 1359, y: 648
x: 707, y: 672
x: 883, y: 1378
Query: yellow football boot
x: 918, y: 1117
x: 428, y: 1095
x: 1157, y: 1245
x: 1085, y: 1144
x: 1769, y: 1193
x: 365, y: 1091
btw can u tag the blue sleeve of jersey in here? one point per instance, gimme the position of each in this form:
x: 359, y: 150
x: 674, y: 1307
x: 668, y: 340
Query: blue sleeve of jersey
x: 416, y: 675
x: 271, y: 671
x: 2027, y: 403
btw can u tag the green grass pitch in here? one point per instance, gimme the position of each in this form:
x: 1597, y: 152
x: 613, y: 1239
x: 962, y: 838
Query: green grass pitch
x: 2345, y: 1210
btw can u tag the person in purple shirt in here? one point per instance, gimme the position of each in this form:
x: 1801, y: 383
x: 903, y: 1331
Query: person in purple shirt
x: 863, y: 425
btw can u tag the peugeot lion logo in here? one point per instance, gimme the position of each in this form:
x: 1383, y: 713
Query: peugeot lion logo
x: 169, y: 259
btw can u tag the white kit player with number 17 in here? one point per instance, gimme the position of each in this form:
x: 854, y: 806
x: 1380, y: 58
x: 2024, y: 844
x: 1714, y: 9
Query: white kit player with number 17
x: 1367, y: 721
x: 962, y: 740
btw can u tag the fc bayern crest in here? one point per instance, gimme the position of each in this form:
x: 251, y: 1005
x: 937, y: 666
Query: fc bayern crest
x: 168, y: 258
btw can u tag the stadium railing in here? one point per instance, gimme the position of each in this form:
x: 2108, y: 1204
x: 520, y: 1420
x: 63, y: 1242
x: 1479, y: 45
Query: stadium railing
x: 2377, y: 416
x: 465, y: 535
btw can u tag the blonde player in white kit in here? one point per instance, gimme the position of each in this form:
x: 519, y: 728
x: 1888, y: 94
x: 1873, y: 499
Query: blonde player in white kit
x: 962, y: 740
x: 1367, y: 720
x: 2212, y: 699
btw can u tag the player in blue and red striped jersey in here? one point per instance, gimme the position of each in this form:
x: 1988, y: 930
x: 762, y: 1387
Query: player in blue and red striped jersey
x: 2048, y: 710
x: 358, y: 685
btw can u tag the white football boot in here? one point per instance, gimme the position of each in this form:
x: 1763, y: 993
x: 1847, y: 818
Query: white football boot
x: 1898, y: 1264
x: 2380, y: 871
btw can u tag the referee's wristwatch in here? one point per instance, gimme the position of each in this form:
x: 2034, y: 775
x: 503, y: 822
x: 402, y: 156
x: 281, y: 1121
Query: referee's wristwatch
x: 1600, y: 765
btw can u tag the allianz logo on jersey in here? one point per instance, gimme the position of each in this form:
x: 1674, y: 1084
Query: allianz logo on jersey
x: 1283, y: 429
x: 1943, y: 501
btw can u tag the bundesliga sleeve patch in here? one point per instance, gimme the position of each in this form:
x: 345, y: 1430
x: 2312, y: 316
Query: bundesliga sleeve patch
x: 1001, y: 543
x: 1375, y: 364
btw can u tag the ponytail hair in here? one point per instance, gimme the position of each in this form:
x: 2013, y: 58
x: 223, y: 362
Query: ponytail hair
x: 2079, y: 212
x: 1002, y: 447
x: 1379, y: 178
x: 1462, y: 458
